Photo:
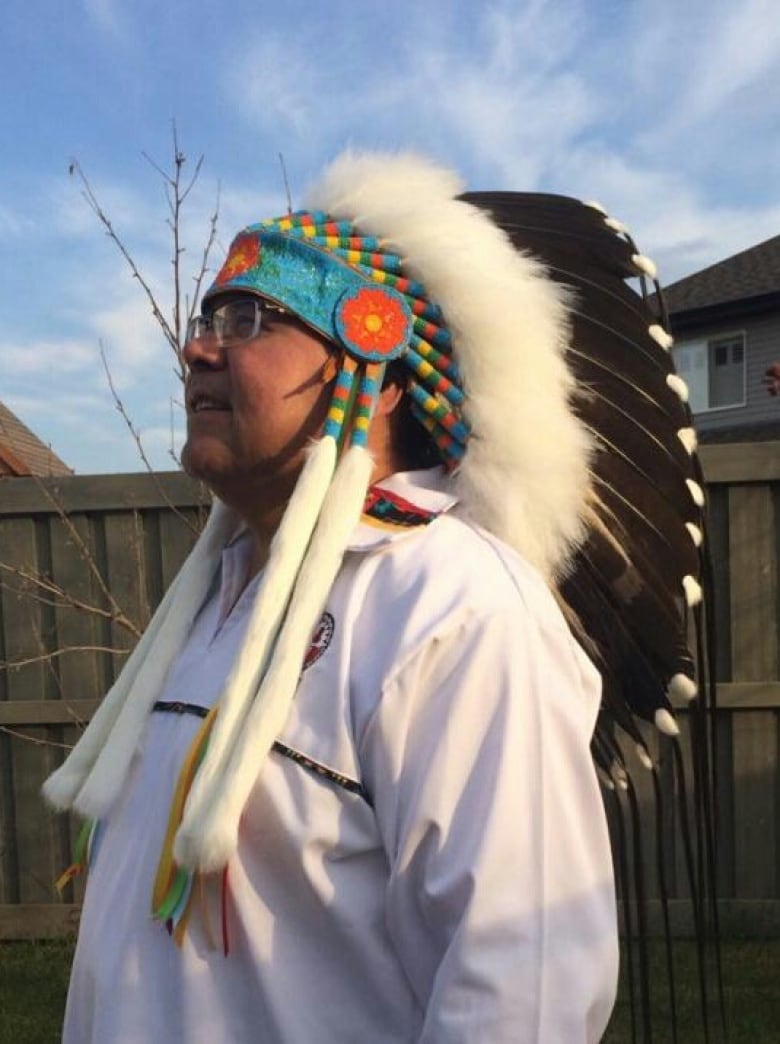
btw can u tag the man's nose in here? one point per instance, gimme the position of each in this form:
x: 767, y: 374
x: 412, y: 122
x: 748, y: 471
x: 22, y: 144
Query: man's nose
x: 204, y: 353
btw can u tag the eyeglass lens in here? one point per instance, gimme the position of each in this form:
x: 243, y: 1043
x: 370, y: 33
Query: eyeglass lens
x: 228, y: 323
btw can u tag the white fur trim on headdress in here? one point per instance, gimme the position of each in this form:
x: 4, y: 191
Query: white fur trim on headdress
x: 525, y: 473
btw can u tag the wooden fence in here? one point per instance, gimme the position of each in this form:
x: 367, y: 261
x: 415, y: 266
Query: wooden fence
x: 115, y: 550
x: 121, y: 542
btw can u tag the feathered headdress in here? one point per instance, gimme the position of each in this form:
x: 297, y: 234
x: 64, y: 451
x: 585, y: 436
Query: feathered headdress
x: 547, y: 385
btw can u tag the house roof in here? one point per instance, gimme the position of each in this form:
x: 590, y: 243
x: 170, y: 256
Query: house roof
x: 752, y: 273
x: 22, y: 452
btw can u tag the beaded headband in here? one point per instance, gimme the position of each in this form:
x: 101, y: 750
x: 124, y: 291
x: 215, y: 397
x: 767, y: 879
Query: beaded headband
x: 350, y: 288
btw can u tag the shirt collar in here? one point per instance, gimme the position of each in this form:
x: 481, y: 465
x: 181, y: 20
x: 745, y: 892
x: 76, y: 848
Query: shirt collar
x: 395, y: 506
x: 400, y: 503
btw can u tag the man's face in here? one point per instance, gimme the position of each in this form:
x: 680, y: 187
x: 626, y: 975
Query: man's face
x: 252, y: 406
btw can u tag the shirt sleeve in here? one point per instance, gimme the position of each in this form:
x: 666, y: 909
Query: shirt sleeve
x: 500, y: 899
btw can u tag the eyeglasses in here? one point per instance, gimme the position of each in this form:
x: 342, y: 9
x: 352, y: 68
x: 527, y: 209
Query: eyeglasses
x: 232, y: 322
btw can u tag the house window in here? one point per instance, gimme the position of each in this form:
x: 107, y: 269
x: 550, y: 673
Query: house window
x: 714, y: 371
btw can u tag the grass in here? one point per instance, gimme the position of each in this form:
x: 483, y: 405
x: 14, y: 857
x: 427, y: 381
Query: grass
x: 34, y: 982
x: 751, y: 978
x: 33, y: 986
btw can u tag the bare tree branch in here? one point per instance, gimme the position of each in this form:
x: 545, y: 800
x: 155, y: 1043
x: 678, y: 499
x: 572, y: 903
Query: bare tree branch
x: 177, y: 191
x: 172, y: 448
x: 105, y: 221
x: 35, y: 740
x: 55, y: 653
x: 176, y: 194
x: 204, y: 261
x: 66, y: 600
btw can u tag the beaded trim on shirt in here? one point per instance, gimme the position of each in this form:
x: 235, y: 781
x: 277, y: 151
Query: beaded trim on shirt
x: 345, y: 782
x: 388, y: 509
x: 179, y: 707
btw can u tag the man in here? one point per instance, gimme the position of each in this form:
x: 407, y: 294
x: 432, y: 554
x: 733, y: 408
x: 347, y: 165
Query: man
x: 348, y: 765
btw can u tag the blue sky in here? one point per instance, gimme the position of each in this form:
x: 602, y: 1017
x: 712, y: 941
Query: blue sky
x: 666, y: 112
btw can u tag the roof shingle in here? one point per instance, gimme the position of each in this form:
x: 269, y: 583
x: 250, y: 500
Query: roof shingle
x: 22, y: 452
x: 754, y: 272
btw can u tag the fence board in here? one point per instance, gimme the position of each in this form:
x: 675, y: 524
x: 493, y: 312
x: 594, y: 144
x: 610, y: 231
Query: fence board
x: 77, y: 628
x: 126, y: 577
x: 47, y: 712
x: 752, y: 553
x: 177, y: 538
x: 38, y: 920
x: 755, y: 812
x: 754, y: 653
x: 28, y: 496
x: 681, y: 868
x: 645, y: 795
x: 35, y: 835
x: 724, y: 807
x: 78, y: 671
x: 718, y: 540
x: 9, y: 876
x: 741, y: 462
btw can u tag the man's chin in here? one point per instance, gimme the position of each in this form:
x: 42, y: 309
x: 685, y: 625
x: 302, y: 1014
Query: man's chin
x: 206, y: 459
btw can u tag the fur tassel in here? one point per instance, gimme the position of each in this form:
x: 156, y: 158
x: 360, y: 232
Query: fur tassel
x: 208, y: 835
x: 287, y: 552
x: 90, y: 778
x: 62, y: 786
x: 517, y: 384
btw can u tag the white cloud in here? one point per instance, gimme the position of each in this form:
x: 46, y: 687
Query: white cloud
x: 108, y: 16
x: 667, y: 212
x: 70, y: 407
x: 13, y: 223
x: 276, y: 83
x: 512, y: 126
x: 47, y: 357
x: 703, y: 82
x: 537, y: 36
x: 552, y: 95
x: 505, y: 95
x: 741, y: 45
x: 131, y: 338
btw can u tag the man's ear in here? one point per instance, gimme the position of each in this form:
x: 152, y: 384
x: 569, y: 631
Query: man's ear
x: 330, y: 368
x: 389, y: 398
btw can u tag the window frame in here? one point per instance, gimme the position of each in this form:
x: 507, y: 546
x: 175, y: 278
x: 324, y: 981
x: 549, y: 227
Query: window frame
x: 710, y: 341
